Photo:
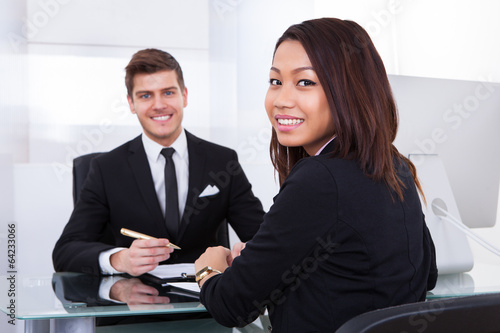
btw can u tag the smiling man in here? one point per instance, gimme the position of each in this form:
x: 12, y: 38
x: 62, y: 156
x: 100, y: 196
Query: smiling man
x: 181, y: 197
x: 158, y: 101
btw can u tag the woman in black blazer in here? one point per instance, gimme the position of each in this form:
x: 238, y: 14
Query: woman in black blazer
x: 346, y: 233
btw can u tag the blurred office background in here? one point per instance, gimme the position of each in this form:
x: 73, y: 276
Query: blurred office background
x: 62, y: 88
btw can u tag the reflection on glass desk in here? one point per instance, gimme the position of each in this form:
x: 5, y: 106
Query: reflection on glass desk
x: 53, y: 303
x: 65, y: 295
x: 483, y: 278
x: 74, y: 299
x: 71, y: 302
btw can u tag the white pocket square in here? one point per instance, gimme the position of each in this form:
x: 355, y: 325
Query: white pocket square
x: 209, y: 190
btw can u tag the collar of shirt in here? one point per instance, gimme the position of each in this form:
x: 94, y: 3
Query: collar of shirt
x: 153, y: 149
x: 326, y: 144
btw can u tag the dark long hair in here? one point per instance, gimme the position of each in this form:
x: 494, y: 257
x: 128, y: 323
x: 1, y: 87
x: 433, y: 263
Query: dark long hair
x: 355, y: 82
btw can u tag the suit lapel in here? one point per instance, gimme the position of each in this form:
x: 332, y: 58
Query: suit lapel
x: 139, y: 164
x: 197, y: 164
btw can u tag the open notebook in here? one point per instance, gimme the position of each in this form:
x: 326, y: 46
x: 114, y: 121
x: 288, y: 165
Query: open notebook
x: 172, y: 273
x: 175, y: 279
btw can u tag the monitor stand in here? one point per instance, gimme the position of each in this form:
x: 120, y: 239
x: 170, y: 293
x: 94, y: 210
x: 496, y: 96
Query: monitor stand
x: 453, y: 253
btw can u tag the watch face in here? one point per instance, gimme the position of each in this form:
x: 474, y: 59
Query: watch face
x: 202, y: 271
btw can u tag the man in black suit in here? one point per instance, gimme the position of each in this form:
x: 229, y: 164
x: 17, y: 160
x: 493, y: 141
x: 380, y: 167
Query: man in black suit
x: 126, y: 187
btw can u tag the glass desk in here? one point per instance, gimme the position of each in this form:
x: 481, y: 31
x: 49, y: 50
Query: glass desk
x: 483, y: 278
x: 70, y: 302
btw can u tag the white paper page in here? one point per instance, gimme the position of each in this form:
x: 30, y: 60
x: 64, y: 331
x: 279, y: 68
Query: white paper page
x: 173, y: 271
x: 193, y: 286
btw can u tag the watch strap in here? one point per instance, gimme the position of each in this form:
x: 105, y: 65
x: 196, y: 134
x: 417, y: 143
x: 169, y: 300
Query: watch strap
x: 204, y: 272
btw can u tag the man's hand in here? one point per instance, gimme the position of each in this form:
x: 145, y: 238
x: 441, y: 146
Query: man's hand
x: 134, y: 292
x: 142, y: 256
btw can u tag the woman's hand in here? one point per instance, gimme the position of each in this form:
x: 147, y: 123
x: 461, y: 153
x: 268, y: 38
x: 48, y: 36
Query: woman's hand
x: 237, y: 248
x: 218, y: 258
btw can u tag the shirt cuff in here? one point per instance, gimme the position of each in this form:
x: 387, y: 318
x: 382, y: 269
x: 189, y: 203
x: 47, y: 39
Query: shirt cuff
x: 105, y: 287
x: 105, y: 262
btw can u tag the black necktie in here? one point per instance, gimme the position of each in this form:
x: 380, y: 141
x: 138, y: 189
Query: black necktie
x: 172, y: 201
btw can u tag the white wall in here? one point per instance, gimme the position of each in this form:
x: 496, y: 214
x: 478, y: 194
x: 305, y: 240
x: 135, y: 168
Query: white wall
x: 450, y: 39
x: 62, y: 92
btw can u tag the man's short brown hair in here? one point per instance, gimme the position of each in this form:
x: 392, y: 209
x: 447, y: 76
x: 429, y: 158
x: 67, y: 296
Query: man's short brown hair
x: 149, y: 61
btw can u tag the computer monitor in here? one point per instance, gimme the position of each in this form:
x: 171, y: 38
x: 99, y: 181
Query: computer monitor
x: 453, y: 253
x: 460, y: 122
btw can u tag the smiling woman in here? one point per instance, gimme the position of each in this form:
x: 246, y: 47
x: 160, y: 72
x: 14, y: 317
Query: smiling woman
x: 296, y: 103
x: 346, y: 233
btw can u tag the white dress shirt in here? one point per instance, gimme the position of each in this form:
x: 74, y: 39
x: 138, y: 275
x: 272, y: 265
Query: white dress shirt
x: 156, y: 163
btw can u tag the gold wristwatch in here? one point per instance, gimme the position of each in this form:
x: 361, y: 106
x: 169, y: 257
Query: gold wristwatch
x: 204, y: 272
